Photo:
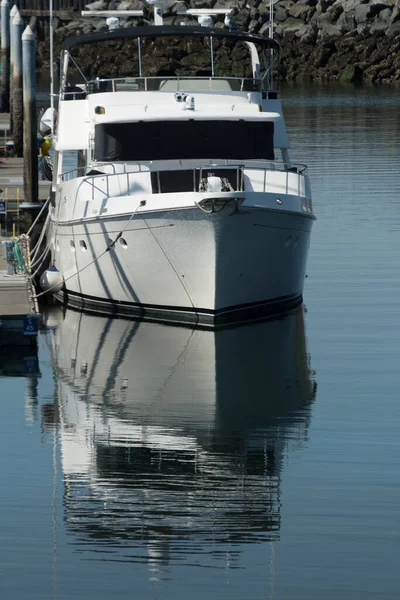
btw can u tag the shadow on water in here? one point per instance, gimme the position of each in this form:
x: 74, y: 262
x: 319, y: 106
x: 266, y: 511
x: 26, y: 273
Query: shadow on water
x: 172, y: 440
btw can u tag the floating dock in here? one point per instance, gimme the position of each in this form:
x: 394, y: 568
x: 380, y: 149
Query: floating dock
x: 19, y: 312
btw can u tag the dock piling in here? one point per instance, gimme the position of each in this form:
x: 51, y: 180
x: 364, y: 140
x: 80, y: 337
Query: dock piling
x: 13, y: 12
x: 17, y: 29
x: 5, y: 56
x: 30, y: 128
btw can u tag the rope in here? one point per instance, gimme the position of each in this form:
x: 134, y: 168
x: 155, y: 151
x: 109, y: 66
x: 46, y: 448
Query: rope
x: 35, y: 248
x: 37, y: 218
x: 44, y: 256
x: 35, y: 262
x: 110, y: 245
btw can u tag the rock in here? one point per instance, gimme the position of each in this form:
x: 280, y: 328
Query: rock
x: 298, y: 12
x: 393, y: 29
x: 335, y: 11
x: 279, y: 14
x: 395, y: 15
x: 378, y: 26
x: 385, y: 15
x: 361, y: 13
x: 376, y: 6
x: 323, y: 53
x: 308, y: 35
x: 346, y: 22
x: 323, y: 5
x: 265, y: 29
x: 254, y: 26
x: 351, y: 74
x: 322, y: 19
x: 331, y: 31
x: 98, y: 5
x: 129, y: 5
x: 291, y: 25
x: 347, y: 5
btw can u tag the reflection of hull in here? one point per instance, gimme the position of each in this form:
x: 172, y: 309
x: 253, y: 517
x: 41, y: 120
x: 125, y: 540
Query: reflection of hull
x: 181, y: 433
x: 186, y: 265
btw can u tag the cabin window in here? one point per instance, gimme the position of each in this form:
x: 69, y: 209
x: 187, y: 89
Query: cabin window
x: 171, y: 140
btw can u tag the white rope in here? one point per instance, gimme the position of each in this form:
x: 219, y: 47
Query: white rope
x: 44, y: 255
x: 37, y: 218
x: 35, y: 249
x: 111, y: 245
x: 35, y: 262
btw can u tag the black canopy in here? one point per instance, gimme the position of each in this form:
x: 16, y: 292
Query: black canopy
x: 168, y: 31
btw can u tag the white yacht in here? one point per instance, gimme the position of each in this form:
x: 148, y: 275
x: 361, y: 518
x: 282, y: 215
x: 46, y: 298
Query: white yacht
x: 181, y: 203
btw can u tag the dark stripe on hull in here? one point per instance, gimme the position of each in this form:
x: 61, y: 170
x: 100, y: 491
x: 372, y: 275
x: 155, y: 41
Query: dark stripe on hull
x: 178, y: 314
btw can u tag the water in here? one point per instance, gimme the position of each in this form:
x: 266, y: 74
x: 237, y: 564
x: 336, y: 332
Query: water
x: 262, y: 462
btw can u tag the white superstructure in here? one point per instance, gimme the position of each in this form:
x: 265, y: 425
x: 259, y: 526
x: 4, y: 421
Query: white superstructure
x: 176, y: 206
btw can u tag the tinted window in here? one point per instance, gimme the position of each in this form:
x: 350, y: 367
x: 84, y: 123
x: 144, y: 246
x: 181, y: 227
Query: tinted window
x: 169, y: 140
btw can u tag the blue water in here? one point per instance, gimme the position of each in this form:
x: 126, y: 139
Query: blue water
x: 262, y: 462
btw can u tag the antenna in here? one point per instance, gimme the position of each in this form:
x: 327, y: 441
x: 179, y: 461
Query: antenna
x: 112, y: 13
x: 159, y: 5
x: 271, y: 19
x: 200, y: 13
x: 51, y: 59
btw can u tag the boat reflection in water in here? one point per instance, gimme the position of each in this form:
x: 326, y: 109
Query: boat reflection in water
x: 173, y: 440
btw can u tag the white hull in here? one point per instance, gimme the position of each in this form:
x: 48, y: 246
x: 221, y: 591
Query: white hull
x: 185, y: 265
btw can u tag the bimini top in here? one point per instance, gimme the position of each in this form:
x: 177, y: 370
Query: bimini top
x: 169, y: 31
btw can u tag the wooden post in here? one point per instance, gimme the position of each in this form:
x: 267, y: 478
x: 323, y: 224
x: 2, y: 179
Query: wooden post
x: 5, y: 56
x: 30, y: 130
x: 17, y: 29
x: 13, y: 12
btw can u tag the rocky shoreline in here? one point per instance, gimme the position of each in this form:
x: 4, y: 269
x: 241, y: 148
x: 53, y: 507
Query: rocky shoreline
x: 325, y: 40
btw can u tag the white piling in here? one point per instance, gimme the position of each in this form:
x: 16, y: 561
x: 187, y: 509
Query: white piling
x: 30, y: 128
x: 5, y: 56
x: 13, y: 12
x: 17, y: 29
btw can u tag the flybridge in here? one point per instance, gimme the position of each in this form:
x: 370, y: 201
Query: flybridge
x: 217, y: 51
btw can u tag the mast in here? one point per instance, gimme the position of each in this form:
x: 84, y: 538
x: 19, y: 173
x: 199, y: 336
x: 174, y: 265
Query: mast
x: 51, y: 60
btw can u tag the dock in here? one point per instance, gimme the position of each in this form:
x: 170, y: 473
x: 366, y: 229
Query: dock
x: 19, y: 313
x: 12, y: 172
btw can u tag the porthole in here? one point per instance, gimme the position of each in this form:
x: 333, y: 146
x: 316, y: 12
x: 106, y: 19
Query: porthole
x: 72, y: 245
x: 83, y: 245
x: 123, y: 243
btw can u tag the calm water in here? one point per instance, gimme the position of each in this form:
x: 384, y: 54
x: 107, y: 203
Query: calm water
x: 140, y: 461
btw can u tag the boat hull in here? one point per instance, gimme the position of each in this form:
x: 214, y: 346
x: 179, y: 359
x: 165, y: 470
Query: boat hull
x: 185, y: 265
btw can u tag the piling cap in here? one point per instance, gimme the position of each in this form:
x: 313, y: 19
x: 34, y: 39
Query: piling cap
x: 17, y: 20
x: 13, y: 11
x: 4, y: 3
x: 28, y: 33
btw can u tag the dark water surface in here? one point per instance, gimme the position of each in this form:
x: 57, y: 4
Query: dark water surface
x: 143, y: 461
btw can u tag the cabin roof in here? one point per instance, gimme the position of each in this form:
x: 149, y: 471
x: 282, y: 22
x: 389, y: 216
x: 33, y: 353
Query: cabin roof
x: 168, y: 31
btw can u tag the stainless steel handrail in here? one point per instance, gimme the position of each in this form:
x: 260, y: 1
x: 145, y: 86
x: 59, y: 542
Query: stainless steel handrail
x: 140, y: 80
x: 85, y: 170
x: 298, y: 168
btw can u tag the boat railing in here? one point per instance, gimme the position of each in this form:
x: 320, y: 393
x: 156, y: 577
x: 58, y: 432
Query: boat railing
x: 94, y: 170
x: 192, y: 179
x: 187, y: 83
